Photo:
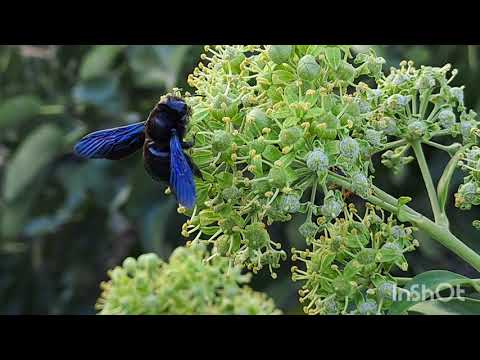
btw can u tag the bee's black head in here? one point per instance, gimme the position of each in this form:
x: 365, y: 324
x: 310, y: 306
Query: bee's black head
x: 176, y: 104
x: 171, y: 113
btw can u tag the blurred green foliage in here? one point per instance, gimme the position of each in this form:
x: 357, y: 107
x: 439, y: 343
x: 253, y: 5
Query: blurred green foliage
x: 64, y: 222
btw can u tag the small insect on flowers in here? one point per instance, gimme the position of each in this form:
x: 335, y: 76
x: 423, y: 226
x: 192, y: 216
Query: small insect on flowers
x: 161, y: 137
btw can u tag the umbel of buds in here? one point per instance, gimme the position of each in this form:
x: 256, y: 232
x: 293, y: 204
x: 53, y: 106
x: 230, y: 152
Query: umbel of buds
x: 279, y: 130
x: 348, y: 267
x: 186, y: 285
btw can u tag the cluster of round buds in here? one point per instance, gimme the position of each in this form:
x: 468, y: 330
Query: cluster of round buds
x: 273, y: 124
x: 415, y: 104
x: 187, y: 284
x: 347, y: 269
x: 270, y: 124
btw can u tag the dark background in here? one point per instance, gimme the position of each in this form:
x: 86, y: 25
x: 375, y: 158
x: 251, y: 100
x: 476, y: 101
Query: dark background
x: 65, y: 222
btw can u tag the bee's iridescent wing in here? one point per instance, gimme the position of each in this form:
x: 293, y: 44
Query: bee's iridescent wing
x: 113, y: 144
x: 181, y: 175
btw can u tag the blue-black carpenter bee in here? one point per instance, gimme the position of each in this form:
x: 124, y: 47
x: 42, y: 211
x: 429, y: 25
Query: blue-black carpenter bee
x: 161, y: 136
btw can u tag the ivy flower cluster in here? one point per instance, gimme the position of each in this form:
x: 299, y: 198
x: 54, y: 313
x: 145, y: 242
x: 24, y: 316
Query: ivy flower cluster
x: 186, y: 285
x: 270, y: 124
x: 281, y: 130
x: 347, y: 271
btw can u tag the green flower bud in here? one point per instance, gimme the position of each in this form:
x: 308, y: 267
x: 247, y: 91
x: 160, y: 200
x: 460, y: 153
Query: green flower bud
x: 398, y: 233
x: 457, y: 93
x: 330, y: 306
x: 374, y: 137
x: 473, y: 154
x: 130, y: 265
x: 221, y: 141
x: 220, y: 100
x: 468, y: 191
x: 392, y: 246
x: 446, y: 118
x: 317, y: 161
x: 179, y: 255
x: 360, y: 184
x: 280, y: 54
x: 425, y: 81
x: 349, y: 148
x: 400, y: 78
x: 148, y: 261
x: 231, y: 193
x: 476, y: 224
x: 258, y: 117
x: 417, y: 129
x: 398, y: 101
x: 290, y: 136
x: 234, y: 60
x: 366, y: 256
x: 336, y: 243
x: 289, y: 203
x: 332, y: 207
x: 368, y: 307
x: 308, y: 229
x: 374, y: 94
x: 308, y: 68
x: 390, y: 127
x: 466, y: 129
x: 222, y: 244
x: 386, y: 290
x: 117, y: 274
x: 256, y: 236
x: 363, y: 106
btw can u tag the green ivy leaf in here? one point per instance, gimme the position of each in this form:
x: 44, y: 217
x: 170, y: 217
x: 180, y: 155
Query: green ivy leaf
x: 430, y: 281
x: 14, y: 215
x: 103, y: 92
x: 313, y: 113
x: 271, y: 153
x: 290, y: 121
x: 315, y: 50
x: 333, y: 56
x: 282, y: 77
x: 455, y: 306
x: 291, y: 94
x: 99, y: 60
x: 33, y: 155
x: 15, y: 111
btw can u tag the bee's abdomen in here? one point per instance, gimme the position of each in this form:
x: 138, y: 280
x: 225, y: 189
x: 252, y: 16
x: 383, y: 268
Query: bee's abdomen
x: 157, y: 161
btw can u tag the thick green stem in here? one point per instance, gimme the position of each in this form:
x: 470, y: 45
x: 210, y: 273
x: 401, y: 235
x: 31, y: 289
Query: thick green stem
x: 447, y: 239
x: 440, y: 218
x: 435, y: 231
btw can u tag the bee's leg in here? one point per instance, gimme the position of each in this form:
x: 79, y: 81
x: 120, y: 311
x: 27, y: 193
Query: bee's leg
x: 188, y: 144
x: 197, y: 172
